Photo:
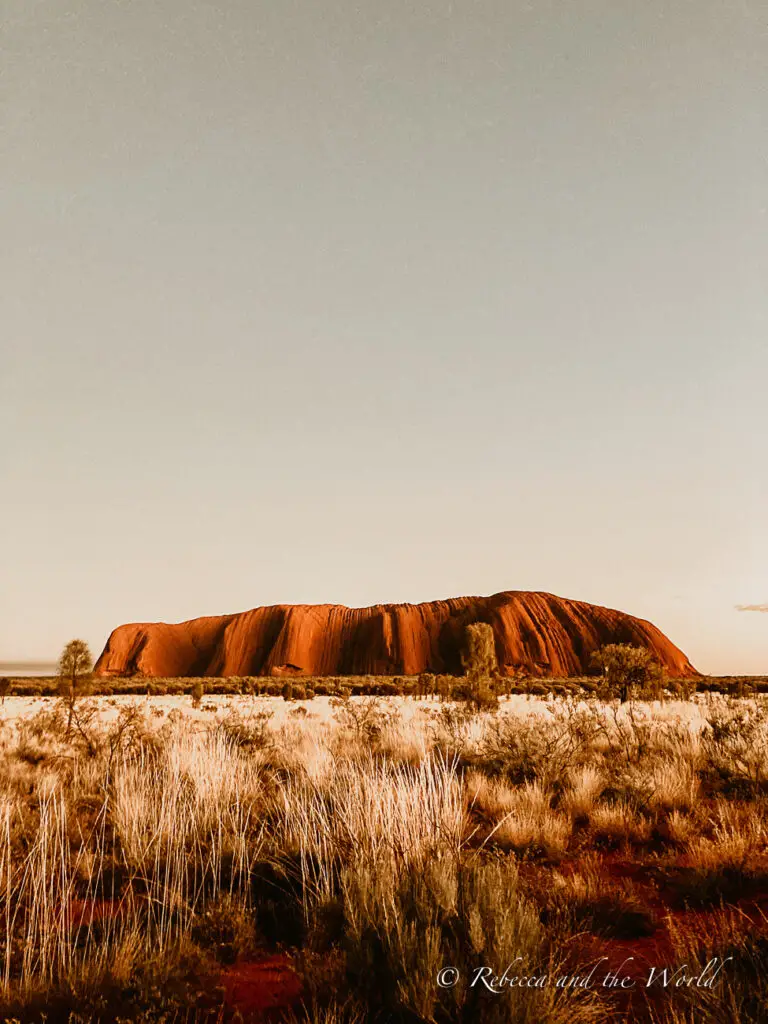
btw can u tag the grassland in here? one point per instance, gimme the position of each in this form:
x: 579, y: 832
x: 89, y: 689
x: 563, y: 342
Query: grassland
x: 323, y: 860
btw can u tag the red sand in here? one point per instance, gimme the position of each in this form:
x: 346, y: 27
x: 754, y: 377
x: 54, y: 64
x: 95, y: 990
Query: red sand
x: 254, y: 988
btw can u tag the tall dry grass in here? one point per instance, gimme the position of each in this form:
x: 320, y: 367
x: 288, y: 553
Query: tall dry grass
x: 395, y: 842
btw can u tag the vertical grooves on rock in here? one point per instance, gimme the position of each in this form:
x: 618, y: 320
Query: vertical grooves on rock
x: 535, y: 632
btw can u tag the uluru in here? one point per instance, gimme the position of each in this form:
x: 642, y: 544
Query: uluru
x: 536, y: 633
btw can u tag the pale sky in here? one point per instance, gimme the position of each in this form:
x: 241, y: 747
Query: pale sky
x: 357, y: 302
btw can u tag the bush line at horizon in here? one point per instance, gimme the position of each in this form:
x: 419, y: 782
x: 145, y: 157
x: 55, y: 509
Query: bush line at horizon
x: 436, y: 684
x: 378, y: 850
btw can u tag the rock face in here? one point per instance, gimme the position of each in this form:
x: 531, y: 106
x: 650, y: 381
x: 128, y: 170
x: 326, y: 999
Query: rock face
x: 535, y: 633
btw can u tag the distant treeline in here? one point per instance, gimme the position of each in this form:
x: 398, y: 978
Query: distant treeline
x: 306, y: 687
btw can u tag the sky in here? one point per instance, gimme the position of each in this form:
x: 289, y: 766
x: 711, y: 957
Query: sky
x: 362, y: 302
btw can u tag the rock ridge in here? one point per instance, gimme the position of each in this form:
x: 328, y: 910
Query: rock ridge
x: 536, y: 633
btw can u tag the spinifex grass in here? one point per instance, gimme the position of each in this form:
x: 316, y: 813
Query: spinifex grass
x: 440, y: 837
x: 176, y: 824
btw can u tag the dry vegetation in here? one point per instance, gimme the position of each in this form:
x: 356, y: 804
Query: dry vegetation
x: 147, y: 862
x: 299, y: 687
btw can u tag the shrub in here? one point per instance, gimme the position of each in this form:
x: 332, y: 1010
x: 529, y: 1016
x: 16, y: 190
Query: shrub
x: 480, y: 666
x: 524, y: 749
x: 402, y: 928
x: 735, y: 742
x: 75, y: 664
x: 367, y: 717
x: 225, y: 929
x: 252, y: 731
x: 425, y: 684
x: 628, y: 671
x: 388, y: 689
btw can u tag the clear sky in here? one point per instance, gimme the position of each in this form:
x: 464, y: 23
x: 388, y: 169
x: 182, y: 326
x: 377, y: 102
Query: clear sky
x: 383, y: 301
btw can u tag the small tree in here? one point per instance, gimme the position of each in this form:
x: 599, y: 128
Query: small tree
x: 5, y: 685
x: 628, y: 671
x: 480, y: 665
x: 425, y: 684
x: 197, y: 693
x: 75, y: 665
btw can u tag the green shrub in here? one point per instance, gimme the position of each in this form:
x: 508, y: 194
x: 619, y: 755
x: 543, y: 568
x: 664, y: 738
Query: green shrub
x: 402, y: 928
x: 628, y: 672
x: 480, y: 667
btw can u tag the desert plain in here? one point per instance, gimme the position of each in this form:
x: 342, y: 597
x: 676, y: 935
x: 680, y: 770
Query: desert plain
x: 551, y: 856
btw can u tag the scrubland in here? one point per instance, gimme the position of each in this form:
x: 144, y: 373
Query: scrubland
x: 326, y: 860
